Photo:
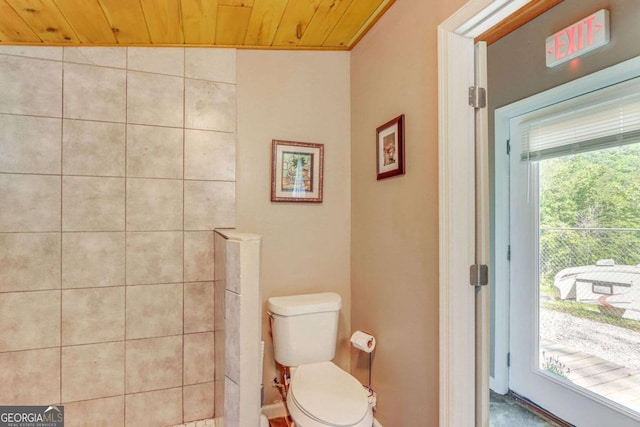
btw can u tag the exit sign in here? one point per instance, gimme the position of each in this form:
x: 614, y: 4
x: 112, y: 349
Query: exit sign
x: 584, y: 36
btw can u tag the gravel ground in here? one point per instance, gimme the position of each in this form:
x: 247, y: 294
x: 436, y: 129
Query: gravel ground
x: 613, y: 343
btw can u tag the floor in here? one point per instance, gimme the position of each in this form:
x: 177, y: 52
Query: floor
x: 202, y: 423
x: 505, y: 412
x: 278, y: 422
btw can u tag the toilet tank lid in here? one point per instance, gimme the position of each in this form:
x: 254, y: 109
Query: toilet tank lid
x: 295, y: 305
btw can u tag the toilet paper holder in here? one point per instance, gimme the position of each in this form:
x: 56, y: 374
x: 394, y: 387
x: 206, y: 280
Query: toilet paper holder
x: 366, y: 343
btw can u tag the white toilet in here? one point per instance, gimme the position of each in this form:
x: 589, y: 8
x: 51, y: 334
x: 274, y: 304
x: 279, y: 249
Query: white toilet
x: 305, y: 329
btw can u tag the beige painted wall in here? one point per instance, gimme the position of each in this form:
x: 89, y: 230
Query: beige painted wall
x: 394, y: 249
x: 296, y: 96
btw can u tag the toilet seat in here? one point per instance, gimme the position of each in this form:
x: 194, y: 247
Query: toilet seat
x: 329, y: 396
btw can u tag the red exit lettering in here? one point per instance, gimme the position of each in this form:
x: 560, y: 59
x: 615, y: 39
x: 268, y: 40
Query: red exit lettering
x: 572, y: 39
x: 577, y: 39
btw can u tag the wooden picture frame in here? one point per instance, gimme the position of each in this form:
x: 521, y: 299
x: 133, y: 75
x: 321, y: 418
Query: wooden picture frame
x: 296, y: 171
x: 390, y: 148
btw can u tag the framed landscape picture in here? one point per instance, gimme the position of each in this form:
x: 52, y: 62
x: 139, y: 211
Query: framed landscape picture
x: 296, y: 171
x: 390, y: 148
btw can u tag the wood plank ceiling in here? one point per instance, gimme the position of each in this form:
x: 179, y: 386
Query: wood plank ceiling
x: 274, y: 24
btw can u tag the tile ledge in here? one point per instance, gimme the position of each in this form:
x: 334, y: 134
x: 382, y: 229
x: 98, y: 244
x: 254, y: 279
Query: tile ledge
x: 233, y: 234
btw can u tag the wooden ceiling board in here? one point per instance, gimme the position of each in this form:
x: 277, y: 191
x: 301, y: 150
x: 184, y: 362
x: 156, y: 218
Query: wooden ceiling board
x: 199, y: 19
x: 13, y: 27
x: 163, y: 20
x: 366, y: 26
x: 269, y: 24
x: 127, y: 20
x: 45, y: 19
x: 359, y: 11
x: 239, y: 3
x: 325, y: 19
x: 232, y: 25
x: 88, y: 20
x: 264, y: 21
x: 295, y: 20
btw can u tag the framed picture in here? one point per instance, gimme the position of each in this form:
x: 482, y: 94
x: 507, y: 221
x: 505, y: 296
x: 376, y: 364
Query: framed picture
x: 296, y: 171
x: 390, y: 148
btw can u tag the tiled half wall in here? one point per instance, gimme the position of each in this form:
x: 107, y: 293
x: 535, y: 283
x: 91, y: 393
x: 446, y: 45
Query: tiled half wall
x: 238, y: 267
x: 116, y: 164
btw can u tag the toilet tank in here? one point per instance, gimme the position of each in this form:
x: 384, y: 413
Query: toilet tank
x: 304, y: 327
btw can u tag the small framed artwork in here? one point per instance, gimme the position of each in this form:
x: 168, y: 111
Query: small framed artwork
x: 296, y: 171
x: 390, y: 148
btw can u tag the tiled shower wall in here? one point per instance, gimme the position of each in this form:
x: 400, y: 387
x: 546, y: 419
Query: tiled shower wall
x: 116, y: 164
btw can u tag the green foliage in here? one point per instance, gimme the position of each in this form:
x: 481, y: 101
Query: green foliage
x: 599, y: 189
x: 555, y: 366
x: 594, y: 189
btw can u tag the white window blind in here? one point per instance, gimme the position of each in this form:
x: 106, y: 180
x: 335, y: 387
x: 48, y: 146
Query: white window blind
x: 605, y: 118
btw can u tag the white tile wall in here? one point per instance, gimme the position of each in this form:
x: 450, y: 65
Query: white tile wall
x: 154, y: 204
x: 209, y: 155
x: 93, y: 259
x: 92, y: 204
x: 210, y: 105
x: 112, y: 57
x: 154, y: 257
x: 98, y: 272
x: 217, y: 66
x: 93, y: 315
x: 147, y: 104
x: 29, y: 203
x: 31, y: 261
x: 209, y: 204
x: 154, y: 152
x: 145, y: 300
x: 30, y: 86
x: 242, y: 327
x: 94, y: 93
x: 160, y: 61
x: 93, y: 148
x: 53, y: 53
x: 38, y: 150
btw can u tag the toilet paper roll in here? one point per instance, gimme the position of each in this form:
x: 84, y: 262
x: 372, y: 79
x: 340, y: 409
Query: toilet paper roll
x: 362, y: 341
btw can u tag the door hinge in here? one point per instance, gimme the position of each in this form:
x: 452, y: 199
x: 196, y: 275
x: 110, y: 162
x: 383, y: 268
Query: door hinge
x: 508, y: 147
x: 509, y: 253
x: 478, y: 275
x: 508, y: 359
x: 477, y: 97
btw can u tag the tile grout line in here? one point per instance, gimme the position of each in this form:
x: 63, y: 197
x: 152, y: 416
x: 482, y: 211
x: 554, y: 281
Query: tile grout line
x: 61, y: 207
x: 184, y: 108
x: 126, y: 135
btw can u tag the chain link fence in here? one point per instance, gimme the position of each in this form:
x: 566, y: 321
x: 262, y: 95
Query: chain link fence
x: 599, y: 268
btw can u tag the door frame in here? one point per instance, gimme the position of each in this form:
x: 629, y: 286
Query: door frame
x: 456, y: 201
x: 456, y: 198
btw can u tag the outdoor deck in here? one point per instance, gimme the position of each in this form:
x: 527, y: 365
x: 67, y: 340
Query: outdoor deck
x: 615, y: 382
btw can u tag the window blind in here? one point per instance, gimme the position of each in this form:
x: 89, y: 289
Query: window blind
x: 605, y: 118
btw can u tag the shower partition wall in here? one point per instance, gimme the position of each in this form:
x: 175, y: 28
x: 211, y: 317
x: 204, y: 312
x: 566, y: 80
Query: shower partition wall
x: 237, y: 277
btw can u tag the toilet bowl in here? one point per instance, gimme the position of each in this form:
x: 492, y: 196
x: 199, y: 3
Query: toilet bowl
x: 323, y: 395
x: 320, y: 394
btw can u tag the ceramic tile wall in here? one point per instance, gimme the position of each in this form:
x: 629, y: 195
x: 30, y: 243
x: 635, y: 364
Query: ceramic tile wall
x: 238, y: 277
x: 116, y: 164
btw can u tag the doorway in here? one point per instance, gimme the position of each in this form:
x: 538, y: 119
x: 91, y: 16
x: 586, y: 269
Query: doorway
x: 570, y: 169
x: 455, y: 39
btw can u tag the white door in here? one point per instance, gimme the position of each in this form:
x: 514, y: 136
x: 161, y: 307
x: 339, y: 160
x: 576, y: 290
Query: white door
x: 575, y: 312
